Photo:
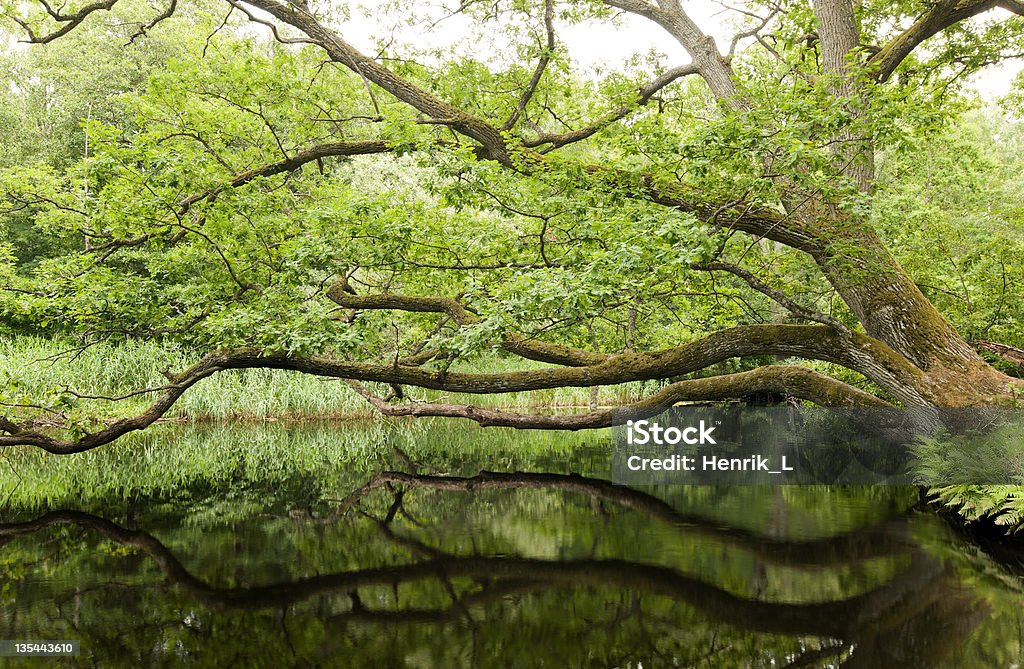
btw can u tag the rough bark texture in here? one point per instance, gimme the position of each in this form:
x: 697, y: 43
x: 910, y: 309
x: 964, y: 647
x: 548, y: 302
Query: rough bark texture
x: 792, y: 380
x: 892, y: 309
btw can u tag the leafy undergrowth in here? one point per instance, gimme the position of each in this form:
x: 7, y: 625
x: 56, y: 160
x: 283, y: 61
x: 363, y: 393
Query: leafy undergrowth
x: 979, y: 476
x: 1001, y: 504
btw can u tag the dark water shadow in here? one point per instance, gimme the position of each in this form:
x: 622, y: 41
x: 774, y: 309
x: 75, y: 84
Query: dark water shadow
x: 405, y: 586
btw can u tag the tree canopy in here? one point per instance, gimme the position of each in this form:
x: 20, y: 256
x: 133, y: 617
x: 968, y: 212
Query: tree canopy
x: 795, y: 210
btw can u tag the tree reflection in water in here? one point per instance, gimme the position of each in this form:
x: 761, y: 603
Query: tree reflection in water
x: 403, y: 587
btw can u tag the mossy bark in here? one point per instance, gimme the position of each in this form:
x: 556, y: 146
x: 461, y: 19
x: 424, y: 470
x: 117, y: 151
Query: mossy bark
x: 893, y: 310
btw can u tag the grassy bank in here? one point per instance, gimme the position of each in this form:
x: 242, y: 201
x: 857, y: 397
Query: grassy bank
x: 34, y: 364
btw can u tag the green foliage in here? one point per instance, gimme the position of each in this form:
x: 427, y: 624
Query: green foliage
x: 1001, y: 504
x: 951, y: 203
x: 980, y: 476
x: 161, y: 232
x: 563, y: 251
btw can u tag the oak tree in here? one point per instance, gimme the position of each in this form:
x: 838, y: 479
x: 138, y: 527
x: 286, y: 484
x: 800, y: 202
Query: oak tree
x: 380, y: 216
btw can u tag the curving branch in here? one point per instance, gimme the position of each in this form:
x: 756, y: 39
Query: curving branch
x: 538, y: 72
x: 149, y: 25
x: 841, y: 618
x: 846, y: 548
x: 513, y: 342
x: 708, y: 62
x: 940, y: 16
x: 287, y: 164
x: 799, y: 382
x: 854, y: 351
x: 70, y: 21
x: 644, y: 95
x: 754, y: 31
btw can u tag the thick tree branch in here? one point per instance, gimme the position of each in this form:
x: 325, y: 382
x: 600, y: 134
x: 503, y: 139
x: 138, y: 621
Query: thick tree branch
x: 710, y: 64
x: 854, y: 351
x: 799, y: 382
x: 942, y: 15
x: 70, y: 21
x: 342, y: 52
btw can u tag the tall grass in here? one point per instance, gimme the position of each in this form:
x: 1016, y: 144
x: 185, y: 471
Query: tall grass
x: 114, y: 370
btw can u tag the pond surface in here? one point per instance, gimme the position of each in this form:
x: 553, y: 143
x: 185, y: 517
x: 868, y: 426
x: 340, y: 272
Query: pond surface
x: 394, y: 545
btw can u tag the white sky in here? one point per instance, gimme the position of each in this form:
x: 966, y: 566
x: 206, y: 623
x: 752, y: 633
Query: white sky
x: 604, y: 44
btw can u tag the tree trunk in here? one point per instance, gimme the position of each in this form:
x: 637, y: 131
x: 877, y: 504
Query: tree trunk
x: 893, y: 310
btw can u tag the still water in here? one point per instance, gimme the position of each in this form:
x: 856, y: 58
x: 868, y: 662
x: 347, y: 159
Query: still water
x: 435, y: 544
